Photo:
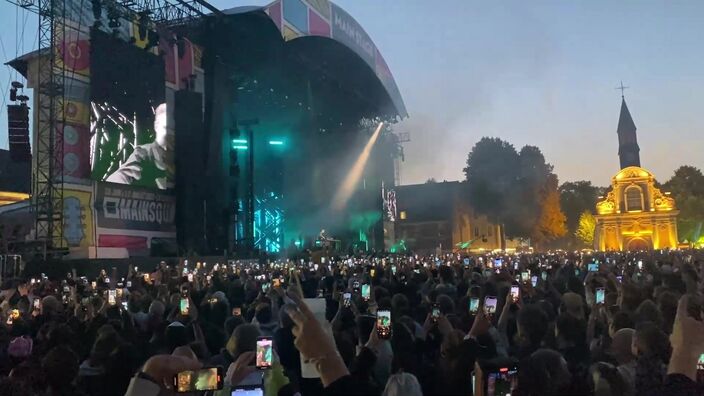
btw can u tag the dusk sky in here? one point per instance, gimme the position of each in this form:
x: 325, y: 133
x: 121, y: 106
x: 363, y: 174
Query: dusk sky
x: 531, y: 72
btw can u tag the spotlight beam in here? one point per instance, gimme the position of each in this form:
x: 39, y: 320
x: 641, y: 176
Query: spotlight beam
x: 344, y: 193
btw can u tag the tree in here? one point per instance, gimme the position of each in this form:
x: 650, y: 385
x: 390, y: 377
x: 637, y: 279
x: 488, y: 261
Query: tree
x: 585, y: 229
x: 550, y: 224
x: 516, y: 190
x: 687, y: 188
x: 576, y: 198
x: 529, y: 192
x: 491, y: 175
x: 431, y: 180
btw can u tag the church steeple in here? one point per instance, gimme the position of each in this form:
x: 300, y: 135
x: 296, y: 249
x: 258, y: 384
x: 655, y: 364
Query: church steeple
x: 628, y: 150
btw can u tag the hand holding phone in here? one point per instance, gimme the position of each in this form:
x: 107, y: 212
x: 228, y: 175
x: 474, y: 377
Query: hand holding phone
x: 435, y: 312
x: 473, y: 305
x: 515, y: 293
x: 184, y: 306
x: 265, y: 352
x: 383, y: 324
x: 112, y: 293
x: 600, y: 291
x: 490, y: 303
x: 205, y: 379
x: 347, y: 300
x: 366, y: 291
x: 525, y: 276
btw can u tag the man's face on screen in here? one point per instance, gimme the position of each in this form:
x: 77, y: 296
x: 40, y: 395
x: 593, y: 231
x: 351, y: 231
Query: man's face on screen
x: 164, y: 132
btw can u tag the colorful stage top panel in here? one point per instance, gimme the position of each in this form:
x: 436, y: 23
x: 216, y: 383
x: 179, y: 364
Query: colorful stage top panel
x: 299, y: 18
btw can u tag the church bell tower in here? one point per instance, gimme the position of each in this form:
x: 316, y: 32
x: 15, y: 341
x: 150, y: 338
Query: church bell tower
x: 628, y: 150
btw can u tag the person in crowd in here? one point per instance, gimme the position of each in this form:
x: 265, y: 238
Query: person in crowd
x: 453, y: 318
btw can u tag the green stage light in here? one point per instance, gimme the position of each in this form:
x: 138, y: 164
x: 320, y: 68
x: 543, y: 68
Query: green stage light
x: 276, y: 142
x: 239, y: 141
x: 239, y: 147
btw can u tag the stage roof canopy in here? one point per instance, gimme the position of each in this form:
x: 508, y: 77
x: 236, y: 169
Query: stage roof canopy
x: 321, y: 18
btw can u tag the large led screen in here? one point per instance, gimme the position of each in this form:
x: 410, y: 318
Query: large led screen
x: 132, y: 132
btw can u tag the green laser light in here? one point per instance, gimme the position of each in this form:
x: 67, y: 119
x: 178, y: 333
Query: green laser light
x: 276, y: 142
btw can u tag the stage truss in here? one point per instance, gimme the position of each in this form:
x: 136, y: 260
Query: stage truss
x: 268, y: 223
x: 47, y: 176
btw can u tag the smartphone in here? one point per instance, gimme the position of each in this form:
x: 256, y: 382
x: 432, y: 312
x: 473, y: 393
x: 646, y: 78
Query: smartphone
x: 183, y: 306
x: 129, y: 284
x: 190, y: 277
x: 515, y: 293
x: 640, y: 264
x: 383, y: 324
x: 435, y: 312
x: 498, y: 263
x: 490, y: 305
x: 466, y: 261
x: 502, y: 382
x: 237, y: 311
x: 619, y: 278
x: 111, y: 296
x: 366, y: 291
x: 265, y: 287
x: 15, y: 314
x: 253, y: 391
x: 276, y: 283
x: 205, y: 379
x: 265, y: 352
x: 124, y: 305
x: 534, y: 280
x: 372, y: 272
x: 593, y: 267
x: 37, y: 303
x: 525, y: 276
x: 346, y: 299
x: 600, y: 295
x: 544, y: 276
x: 393, y: 270
x: 700, y: 369
x: 473, y: 305
x: 355, y: 285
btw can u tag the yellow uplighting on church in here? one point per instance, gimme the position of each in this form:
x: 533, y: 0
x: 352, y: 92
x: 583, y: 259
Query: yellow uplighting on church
x: 634, y: 215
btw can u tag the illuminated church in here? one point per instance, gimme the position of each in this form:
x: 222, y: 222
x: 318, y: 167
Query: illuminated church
x: 635, y: 214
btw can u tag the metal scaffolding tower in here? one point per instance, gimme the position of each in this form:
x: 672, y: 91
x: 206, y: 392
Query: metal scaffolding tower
x: 48, y: 181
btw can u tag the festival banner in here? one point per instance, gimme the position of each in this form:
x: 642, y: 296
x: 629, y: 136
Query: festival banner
x: 347, y: 31
x: 121, y: 207
x: 73, y: 52
x: 78, y: 220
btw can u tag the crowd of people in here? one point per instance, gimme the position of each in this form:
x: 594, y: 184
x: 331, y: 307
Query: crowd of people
x: 526, y: 324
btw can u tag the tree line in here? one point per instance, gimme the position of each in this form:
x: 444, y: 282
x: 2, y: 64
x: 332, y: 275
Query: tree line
x: 518, y: 190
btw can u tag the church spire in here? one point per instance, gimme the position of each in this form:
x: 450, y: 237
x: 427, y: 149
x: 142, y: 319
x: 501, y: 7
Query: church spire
x: 628, y: 150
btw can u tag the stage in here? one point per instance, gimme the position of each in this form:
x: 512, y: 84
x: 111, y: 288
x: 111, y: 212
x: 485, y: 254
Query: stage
x: 225, y: 135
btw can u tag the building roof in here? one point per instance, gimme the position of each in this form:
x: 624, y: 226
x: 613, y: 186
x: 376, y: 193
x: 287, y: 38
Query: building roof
x: 429, y: 201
